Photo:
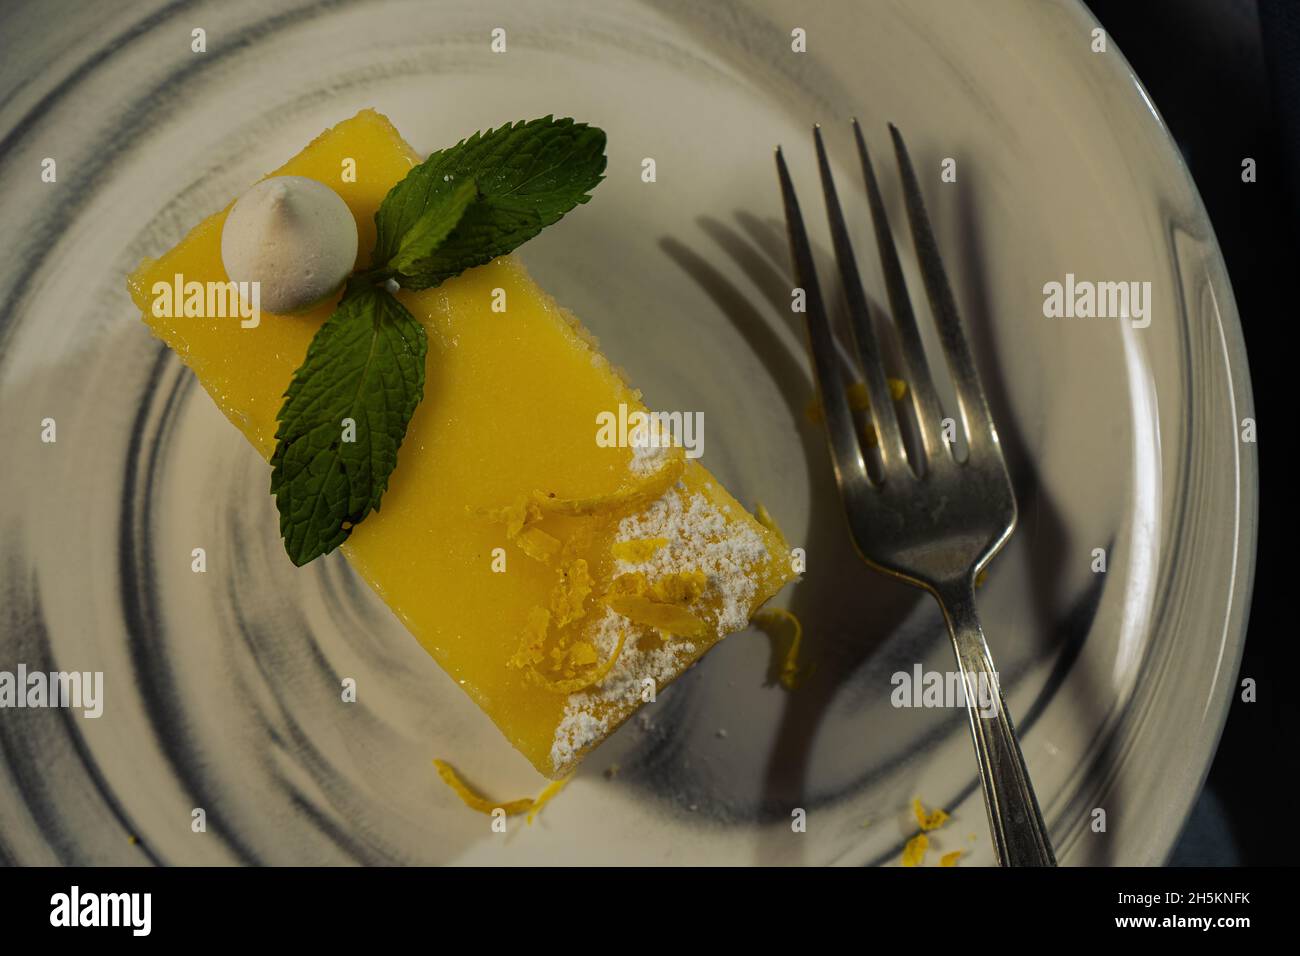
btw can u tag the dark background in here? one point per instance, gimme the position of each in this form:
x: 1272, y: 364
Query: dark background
x: 1225, y: 75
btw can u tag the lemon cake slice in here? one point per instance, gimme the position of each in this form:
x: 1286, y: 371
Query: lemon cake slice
x: 557, y: 578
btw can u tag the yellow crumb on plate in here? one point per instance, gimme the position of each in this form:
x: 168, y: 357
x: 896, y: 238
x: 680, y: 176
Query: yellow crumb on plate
x: 546, y: 796
x: 859, y: 399
x: 475, y: 800
x: 914, y: 852
x: 786, y: 634
x: 858, y: 395
x: 950, y: 859
x: 928, y: 820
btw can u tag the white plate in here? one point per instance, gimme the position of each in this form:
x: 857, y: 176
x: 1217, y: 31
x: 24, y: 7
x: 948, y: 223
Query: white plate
x: 223, y: 689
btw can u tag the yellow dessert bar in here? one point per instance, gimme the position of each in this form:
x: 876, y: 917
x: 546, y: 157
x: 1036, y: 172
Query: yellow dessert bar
x: 557, y: 578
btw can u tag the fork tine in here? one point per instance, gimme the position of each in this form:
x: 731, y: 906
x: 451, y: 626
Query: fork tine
x: 981, y: 434
x: 864, y: 335
x: 925, y: 401
x: 846, y: 454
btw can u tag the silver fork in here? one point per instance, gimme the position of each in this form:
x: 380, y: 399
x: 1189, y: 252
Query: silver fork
x: 937, y: 522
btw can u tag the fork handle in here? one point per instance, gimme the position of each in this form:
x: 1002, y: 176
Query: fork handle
x: 1019, y: 836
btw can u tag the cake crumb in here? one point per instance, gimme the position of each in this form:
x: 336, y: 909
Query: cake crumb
x: 914, y: 852
x: 475, y: 800
x: 785, y: 631
x: 928, y: 819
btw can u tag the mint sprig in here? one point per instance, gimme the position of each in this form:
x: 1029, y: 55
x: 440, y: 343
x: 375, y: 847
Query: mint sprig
x: 527, y: 175
x: 347, y: 408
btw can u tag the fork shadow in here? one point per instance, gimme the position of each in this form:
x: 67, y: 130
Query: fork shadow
x: 1060, y: 623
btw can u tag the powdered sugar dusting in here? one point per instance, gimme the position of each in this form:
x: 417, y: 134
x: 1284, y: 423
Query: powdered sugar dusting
x: 591, y: 714
x: 650, y: 449
x: 699, y: 538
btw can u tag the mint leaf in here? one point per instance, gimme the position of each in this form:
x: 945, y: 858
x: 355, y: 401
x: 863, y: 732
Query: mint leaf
x: 365, y: 364
x: 440, y: 217
x: 528, y: 175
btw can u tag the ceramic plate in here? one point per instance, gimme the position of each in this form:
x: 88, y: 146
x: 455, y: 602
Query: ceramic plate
x: 222, y: 689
